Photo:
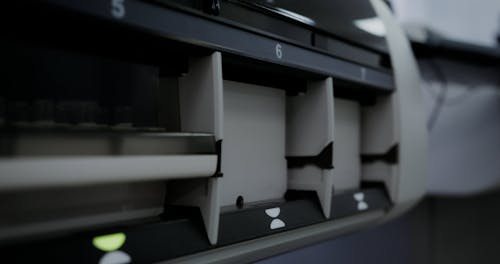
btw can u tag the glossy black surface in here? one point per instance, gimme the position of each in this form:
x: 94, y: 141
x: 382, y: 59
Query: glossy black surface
x: 324, y: 25
x: 333, y: 16
x: 159, y: 24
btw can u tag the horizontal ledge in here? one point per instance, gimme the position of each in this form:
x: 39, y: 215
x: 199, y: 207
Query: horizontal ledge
x: 29, y: 173
x: 267, y: 219
x: 45, y: 142
x: 301, y: 222
x: 153, y: 242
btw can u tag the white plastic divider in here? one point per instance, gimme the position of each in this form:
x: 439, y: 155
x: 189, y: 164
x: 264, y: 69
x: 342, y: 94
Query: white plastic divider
x: 310, y: 128
x: 380, y: 133
x: 201, y: 106
x: 347, y: 174
x: 398, y: 119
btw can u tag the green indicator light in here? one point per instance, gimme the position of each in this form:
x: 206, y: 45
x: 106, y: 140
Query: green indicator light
x: 109, y: 242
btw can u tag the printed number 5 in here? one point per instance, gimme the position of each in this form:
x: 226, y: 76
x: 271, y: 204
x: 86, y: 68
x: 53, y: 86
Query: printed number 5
x: 118, y: 8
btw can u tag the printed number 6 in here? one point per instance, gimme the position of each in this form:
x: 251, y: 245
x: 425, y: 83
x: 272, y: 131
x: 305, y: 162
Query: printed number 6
x: 279, y: 52
x: 118, y: 8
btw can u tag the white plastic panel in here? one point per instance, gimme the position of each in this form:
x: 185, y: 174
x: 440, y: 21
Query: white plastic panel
x: 200, y: 96
x: 382, y: 172
x: 202, y: 193
x: 310, y: 128
x: 312, y: 178
x: 381, y: 132
x: 201, y: 106
x: 379, y: 126
x: 347, y: 148
x: 309, y: 120
x: 260, y: 123
x: 253, y: 151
